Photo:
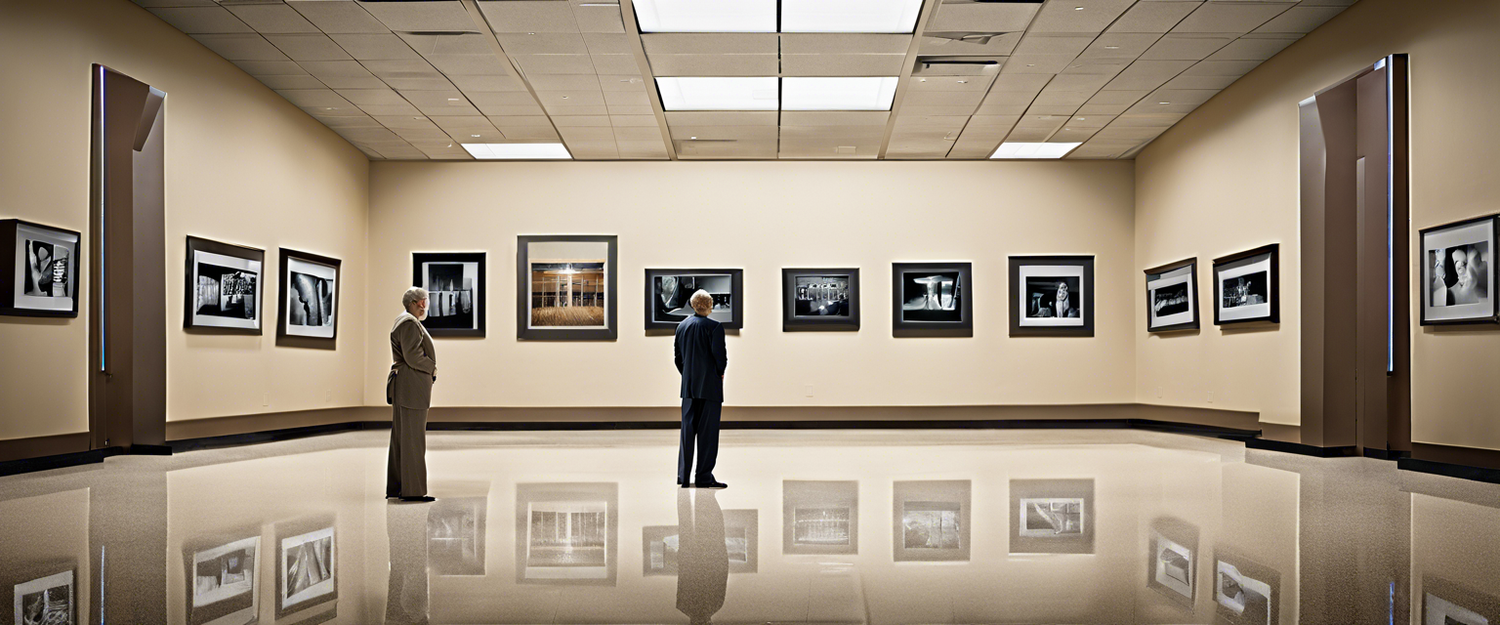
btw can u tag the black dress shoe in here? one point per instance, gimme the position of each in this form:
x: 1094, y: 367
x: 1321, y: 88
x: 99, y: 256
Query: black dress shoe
x: 422, y: 499
x: 711, y: 485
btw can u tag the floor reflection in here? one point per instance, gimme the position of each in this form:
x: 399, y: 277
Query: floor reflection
x: 875, y: 527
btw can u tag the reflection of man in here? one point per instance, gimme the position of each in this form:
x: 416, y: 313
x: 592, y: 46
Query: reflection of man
x: 1063, y: 305
x: 39, y: 264
x: 406, y: 601
x: 702, y: 557
x: 1441, y: 296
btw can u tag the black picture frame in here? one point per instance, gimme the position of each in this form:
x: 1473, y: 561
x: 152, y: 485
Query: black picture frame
x: 734, y: 320
x: 190, y: 321
x: 284, y: 336
x: 13, y: 298
x: 307, y: 530
x: 1273, y: 284
x: 1022, y: 325
x: 1489, y: 309
x: 437, y: 327
x: 1159, y: 273
x: 524, y: 329
x: 903, y: 326
x: 792, y: 322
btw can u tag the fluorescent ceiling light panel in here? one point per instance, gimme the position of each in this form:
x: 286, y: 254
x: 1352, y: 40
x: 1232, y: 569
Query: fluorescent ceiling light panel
x: 706, y: 16
x: 839, y: 93
x: 849, y: 16
x: 1034, y: 150
x: 707, y: 93
x: 517, y: 151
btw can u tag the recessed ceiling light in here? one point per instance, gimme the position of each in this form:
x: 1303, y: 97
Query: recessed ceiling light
x: 1163, y: 103
x: 696, y: 16
x: 849, y: 16
x: 565, y: 97
x: 1083, y: 119
x: 475, y: 136
x: 716, y: 93
x: 1034, y: 150
x: 453, y: 99
x: 1111, y: 47
x: 416, y: 118
x: 1077, y: 8
x: 488, y: 151
x: 963, y: 82
x: 1031, y: 65
x: 841, y: 93
x: 693, y: 138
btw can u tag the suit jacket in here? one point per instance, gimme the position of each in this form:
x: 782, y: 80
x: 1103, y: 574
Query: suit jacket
x: 413, y: 365
x: 701, y: 358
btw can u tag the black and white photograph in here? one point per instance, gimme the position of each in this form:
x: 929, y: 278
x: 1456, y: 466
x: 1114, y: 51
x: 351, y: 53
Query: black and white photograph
x: 455, y: 535
x: 567, y: 533
x: 820, y: 517
x: 1052, y: 516
x: 224, y: 285
x: 662, y: 546
x: 668, y: 292
x: 1246, y: 287
x: 1246, y: 599
x: 820, y: 299
x: 223, y: 579
x: 1049, y: 517
x: 39, y: 277
x: 1172, y: 297
x: 1172, y: 557
x: 455, y: 283
x: 1458, y: 284
x: 309, y: 297
x: 308, y: 570
x: 50, y: 600
x: 1052, y: 296
x: 1449, y: 603
x: 931, y: 521
x: 932, y: 299
x: 566, y: 287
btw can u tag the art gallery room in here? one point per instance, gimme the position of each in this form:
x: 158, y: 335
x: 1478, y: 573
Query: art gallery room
x: 938, y: 311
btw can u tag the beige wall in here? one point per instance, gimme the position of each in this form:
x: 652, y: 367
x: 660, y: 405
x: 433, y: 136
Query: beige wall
x: 1225, y: 179
x: 762, y: 217
x: 242, y: 165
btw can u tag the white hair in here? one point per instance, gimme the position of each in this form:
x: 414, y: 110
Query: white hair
x: 702, y: 302
x: 412, y: 296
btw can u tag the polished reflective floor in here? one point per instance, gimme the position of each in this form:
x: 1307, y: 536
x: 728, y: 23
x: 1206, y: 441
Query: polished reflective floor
x: 879, y: 527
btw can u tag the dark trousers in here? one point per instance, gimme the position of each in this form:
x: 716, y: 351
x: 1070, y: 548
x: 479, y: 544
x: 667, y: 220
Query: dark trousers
x: 406, y: 467
x: 700, y: 428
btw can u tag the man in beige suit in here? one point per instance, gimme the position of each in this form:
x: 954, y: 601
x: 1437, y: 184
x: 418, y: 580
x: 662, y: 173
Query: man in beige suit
x: 408, y: 389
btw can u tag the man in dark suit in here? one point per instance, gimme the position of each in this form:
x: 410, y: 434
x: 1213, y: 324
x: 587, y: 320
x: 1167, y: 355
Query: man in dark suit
x: 701, y: 359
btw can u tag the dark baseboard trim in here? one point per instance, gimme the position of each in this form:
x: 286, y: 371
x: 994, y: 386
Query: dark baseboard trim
x: 1386, y: 454
x: 271, y: 436
x: 1455, y: 455
x: 43, y: 446
x: 1478, y: 474
x: 1301, y: 449
x: 59, y: 461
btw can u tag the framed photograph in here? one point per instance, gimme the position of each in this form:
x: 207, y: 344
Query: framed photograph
x: 820, y: 517
x: 1052, y: 516
x: 1449, y: 603
x: 565, y: 287
x: 1172, y: 297
x: 1247, y: 286
x: 223, y: 287
x: 455, y: 535
x: 1246, y: 593
x: 39, y: 273
x: 662, y: 547
x: 309, y: 297
x: 931, y: 521
x: 668, y: 291
x: 1173, y: 562
x: 221, y: 577
x: 567, y: 533
x: 819, y: 299
x: 47, y: 600
x: 932, y: 299
x: 455, y: 283
x: 307, y: 567
x: 1457, y: 284
x: 1052, y: 296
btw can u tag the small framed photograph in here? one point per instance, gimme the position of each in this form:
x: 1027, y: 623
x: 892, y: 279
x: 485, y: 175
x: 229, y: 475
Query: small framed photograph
x: 565, y: 287
x: 49, y: 599
x: 819, y: 299
x: 1457, y: 284
x: 1450, y: 603
x: 1052, y: 296
x: 567, y: 533
x: 1052, y: 516
x: 1172, y: 297
x: 455, y: 283
x: 1247, y: 286
x: 309, y: 297
x: 39, y: 273
x: 223, y: 287
x: 1245, y: 592
x: 931, y: 521
x: 932, y: 299
x: 1173, y: 562
x: 668, y: 292
x: 222, y: 580
x: 307, y: 567
x: 819, y: 517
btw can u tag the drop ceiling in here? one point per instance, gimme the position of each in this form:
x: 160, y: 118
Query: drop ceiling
x: 415, y: 80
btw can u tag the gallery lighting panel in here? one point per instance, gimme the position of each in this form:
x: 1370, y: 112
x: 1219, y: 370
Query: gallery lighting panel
x: 768, y: 93
x: 517, y: 151
x: 1034, y: 150
x: 762, y: 16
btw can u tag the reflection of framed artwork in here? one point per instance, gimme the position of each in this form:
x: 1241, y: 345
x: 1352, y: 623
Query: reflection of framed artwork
x: 819, y: 299
x: 567, y: 533
x: 222, y: 581
x: 1052, y: 516
x: 565, y: 287
x: 306, y: 567
x: 49, y: 599
x: 1052, y: 296
x: 931, y: 521
x: 455, y: 283
x: 309, y: 300
x: 455, y: 535
x: 1449, y: 603
x: 661, y: 546
x: 1457, y: 277
x: 1172, y: 560
x: 668, y: 292
x: 1247, y: 286
x: 932, y: 299
x: 38, y: 270
x: 1245, y: 592
x: 819, y: 517
x: 1172, y: 296
x: 223, y: 287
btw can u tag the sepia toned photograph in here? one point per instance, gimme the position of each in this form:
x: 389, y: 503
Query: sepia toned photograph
x: 1172, y: 297
x: 567, y: 287
x: 1245, y: 287
x: 224, y: 285
x: 567, y: 533
x: 50, y: 600
x: 308, y: 570
x: 38, y: 270
x: 932, y: 299
x: 1052, y: 295
x: 820, y: 299
x: 1052, y: 516
x: 1458, y: 282
x: 668, y: 292
x: 309, y: 298
x: 455, y: 283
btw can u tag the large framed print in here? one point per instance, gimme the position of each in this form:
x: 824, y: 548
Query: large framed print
x: 1052, y: 516
x: 38, y: 270
x: 309, y: 301
x: 222, y: 578
x: 1172, y: 297
x: 307, y: 566
x: 49, y: 599
x: 1247, y: 286
x: 932, y: 299
x: 455, y: 283
x: 565, y: 287
x: 1052, y: 296
x: 668, y: 292
x: 1457, y: 283
x: 223, y: 287
x: 819, y: 299
x: 567, y: 533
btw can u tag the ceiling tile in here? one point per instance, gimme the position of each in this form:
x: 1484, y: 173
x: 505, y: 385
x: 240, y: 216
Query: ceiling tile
x: 1230, y: 17
x: 1184, y: 81
x: 272, y: 18
x: 1053, y: 44
x: 506, y: 103
x: 842, y: 64
x: 570, y: 98
x: 581, y: 121
x: 1078, y: 16
x: 615, y: 63
x: 756, y: 149
x: 434, y: 103
x: 279, y: 83
x: 642, y: 149
x: 1146, y: 75
x: 523, y: 16
x: 609, y: 43
x: 1037, y: 64
x: 508, y: 121
x: 844, y: 43
x: 315, y: 98
x: 1186, y: 47
x: 543, y: 43
x: 271, y: 68
x: 875, y: 119
x: 467, y: 83
x: 1153, y: 17
x: 529, y: 133
x: 714, y: 64
x: 1119, y: 46
x: 710, y: 43
x: 375, y: 47
x: 554, y: 63
x: 1254, y: 48
x: 723, y: 118
x: 969, y: 44
x: 622, y: 82
x: 986, y: 17
x: 564, y: 82
x: 426, y: 15
x: 309, y: 47
x: 1300, y: 19
x: 724, y: 133
x: 620, y: 121
x: 637, y: 133
x: 980, y: 84
x: 338, y: 17
x: 598, y: 17
x: 242, y: 47
x: 201, y: 20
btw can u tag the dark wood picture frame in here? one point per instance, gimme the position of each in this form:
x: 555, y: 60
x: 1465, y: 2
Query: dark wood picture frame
x: 190, y: 284
x: 1273, y: 284
x: 1424, y: 273
x: 736, y: 292
x: 9, y: 233
x: 481, y: 290
x: 790, y: 322
x: 1193, y: 295
x: 963, y: 328
x: 610, y: 332
x: 1086, y: 287
x: 284, y: 271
